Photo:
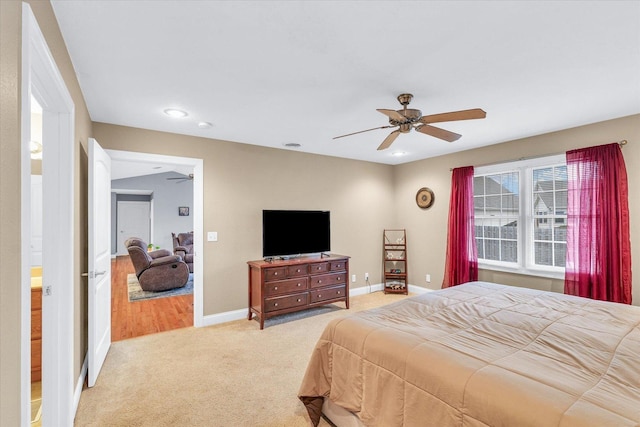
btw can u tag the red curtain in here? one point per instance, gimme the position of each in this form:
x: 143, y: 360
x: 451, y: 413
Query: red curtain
x: 598, y: 242
x: 462, y: 255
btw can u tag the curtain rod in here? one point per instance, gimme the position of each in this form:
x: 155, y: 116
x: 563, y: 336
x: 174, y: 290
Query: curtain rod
x: 621, y: 143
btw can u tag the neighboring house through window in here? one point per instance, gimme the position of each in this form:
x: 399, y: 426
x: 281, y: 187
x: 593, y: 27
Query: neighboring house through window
x: 521, y: 216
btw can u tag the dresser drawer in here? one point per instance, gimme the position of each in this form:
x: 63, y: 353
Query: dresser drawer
x: 280, y: 303
x: 337, y: 265
x: 317, y: 295
x: 276, y: 273
x: 327, y: 280
x: 286, y: 286
x: 296, y: 270
x: 318, y: 267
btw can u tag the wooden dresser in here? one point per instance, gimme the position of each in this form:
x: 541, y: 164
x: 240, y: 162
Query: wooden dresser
x: 280, y: 287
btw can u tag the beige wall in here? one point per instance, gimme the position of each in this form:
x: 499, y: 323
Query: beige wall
x: 10, y: 45
x: 240, y: 180
x: 10, y: 303
x: 427, y: 230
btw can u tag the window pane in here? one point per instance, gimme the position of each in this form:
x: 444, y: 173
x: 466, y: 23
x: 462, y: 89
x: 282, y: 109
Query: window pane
x: 492, y: 184
x: 560, y: 254
x: 493, y: 204
x: 478, y: 227
x: 492, y: 249
x: 509, y: 231
x: 561, y: 177
x: 543, y: 253
x: 509, y: 251
x: 480, y: 245
x: 560, y: 233
x: 478, y: 205
x: 561, y: 202
x: 542, y: 229
x: 478, y: 185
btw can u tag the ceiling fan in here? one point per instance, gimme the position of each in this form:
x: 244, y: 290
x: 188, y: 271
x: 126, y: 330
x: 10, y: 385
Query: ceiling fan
x: 182, y: 178
x: 409, y: 118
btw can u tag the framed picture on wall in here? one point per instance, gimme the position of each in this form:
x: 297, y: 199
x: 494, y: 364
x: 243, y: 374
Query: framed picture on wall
x: 183, y: 211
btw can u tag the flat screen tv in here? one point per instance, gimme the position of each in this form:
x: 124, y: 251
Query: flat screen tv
x: 290, y: 232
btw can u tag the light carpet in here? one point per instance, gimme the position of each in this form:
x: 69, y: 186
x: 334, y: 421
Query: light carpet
x: 232, y: 374
x: 136, y: 293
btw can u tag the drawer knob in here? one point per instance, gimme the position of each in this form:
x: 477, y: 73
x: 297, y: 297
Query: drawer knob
x: 338, y: 292
x: 298, y: 271
x: 339, y: 266
x: 319, y: 281
x: 319, y: 296
x: 339, y: 278
x: 275, y: 305
x: 275, y: 288
x: 299, y: 284
x: 299, y: 300
x: 275, y: 274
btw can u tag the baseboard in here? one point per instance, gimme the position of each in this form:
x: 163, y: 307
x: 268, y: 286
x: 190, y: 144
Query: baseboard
x: 229, y: 316
x: 80, y: 384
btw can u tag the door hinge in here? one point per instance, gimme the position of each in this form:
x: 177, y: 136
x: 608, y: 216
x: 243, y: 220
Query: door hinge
x: 46, y: 290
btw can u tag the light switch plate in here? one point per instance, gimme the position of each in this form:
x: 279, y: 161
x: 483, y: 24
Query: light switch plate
x: 212, y: 236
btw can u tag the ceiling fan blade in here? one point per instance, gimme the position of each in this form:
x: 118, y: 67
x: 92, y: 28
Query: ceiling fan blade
x: 367, y: 130
x: 393, y: 114
x: 389, y: 140
x: 475, y: 113
x: 438, y: 133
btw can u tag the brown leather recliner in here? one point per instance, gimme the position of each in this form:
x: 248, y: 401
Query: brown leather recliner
x: 183, y: 246
x: 156, y: 270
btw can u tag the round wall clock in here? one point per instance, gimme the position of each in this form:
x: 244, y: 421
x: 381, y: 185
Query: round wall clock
x: 425, y: 198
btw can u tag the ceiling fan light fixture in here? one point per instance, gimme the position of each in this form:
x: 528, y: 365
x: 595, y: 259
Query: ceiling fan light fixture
x: 175, y: 113
x: 292, y: 145
x: 398, y: 153
x: 204, y: 125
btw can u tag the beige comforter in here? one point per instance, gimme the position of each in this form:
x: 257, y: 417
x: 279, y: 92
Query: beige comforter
x: 482, y: 354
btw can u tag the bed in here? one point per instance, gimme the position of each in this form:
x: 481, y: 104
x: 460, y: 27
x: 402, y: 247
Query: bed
x: 481, y: 354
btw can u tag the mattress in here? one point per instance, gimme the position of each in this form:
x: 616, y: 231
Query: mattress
x: 481, y: 354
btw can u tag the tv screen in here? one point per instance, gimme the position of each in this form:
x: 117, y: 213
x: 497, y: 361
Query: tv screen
x: 289, y: 232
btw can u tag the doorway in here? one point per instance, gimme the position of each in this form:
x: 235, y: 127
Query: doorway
x: 42, y: 80
x: 133, y: 219
x: 196, y: 166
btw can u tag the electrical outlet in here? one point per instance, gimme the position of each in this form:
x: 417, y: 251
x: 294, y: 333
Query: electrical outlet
x: 353, y: 278
x: 366, y: 276
x: 428, y: 278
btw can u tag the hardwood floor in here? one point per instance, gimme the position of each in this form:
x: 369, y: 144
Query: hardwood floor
x: 133, y: 319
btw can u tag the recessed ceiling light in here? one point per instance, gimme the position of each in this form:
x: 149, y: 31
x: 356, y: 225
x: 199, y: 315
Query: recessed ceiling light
x: 204, y: 125
x: 292, y: 145
x: 398, y: 153
x: 172, y: 112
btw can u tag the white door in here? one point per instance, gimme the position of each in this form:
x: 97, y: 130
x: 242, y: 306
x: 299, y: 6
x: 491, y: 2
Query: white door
x: 99, y: 258
x: 133, y: 221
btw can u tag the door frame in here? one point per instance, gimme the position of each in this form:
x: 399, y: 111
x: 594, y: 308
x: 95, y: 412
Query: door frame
x: 198, y: 215
x: 42, y: 79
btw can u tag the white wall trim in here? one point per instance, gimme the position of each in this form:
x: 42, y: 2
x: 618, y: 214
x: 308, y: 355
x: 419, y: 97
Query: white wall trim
x: 80, y: 383
x: 227, y: 316
x: 135, y: 192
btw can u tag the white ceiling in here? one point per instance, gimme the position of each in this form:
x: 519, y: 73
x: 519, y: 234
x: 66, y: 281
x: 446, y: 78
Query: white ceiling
x: 275, y: 72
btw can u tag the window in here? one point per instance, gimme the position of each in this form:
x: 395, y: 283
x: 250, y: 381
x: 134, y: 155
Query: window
x: 521, y: 216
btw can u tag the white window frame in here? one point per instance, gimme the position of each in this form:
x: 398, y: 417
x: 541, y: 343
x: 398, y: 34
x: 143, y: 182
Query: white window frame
x: 525, y: 263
